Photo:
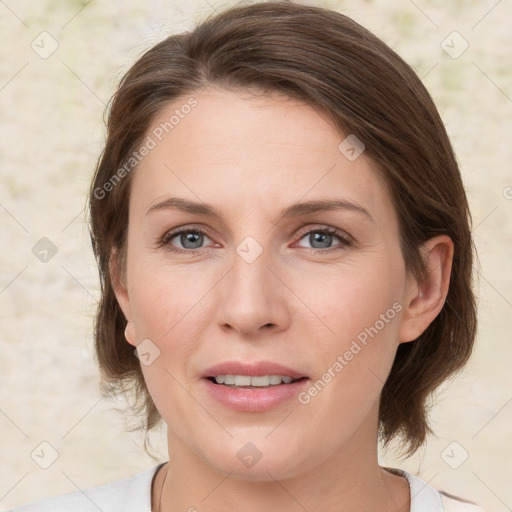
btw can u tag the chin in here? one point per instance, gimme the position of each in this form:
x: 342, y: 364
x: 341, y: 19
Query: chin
x: 269, y: 471
x: 253, y: 464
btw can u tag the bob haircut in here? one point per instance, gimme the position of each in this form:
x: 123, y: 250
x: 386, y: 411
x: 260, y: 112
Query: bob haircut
x: 330, y: 62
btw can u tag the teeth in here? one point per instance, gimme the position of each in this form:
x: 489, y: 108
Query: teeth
x: 242, y: 380
x: 275, y: 379
x: 247, y: 380
x: 229, y: 379
x: 266, y: 380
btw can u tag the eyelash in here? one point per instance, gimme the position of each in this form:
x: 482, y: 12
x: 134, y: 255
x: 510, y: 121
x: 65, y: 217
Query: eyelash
x: 344, y: 239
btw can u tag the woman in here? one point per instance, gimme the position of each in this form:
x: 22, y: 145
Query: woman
x: 285, y: 253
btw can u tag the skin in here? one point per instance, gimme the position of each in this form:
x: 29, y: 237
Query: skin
x: 250, y: 156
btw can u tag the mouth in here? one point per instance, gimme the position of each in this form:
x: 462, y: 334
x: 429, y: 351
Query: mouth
x: 253, y: 387
x: 253, y: 382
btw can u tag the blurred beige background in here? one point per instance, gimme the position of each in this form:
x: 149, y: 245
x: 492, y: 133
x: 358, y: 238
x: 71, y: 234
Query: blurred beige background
x: 60, y: 63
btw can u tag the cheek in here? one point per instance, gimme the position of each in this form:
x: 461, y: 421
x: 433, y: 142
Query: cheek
x: 165, y: 301
x: 349, y: 301
x: 168, y: 308
x: 172, y: 308
x: 359, y: 312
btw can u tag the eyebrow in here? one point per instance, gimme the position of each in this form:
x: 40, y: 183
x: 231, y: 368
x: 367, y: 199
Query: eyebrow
x: 295, y: 210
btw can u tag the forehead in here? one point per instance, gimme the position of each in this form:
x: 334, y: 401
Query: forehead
x: 255, y: 150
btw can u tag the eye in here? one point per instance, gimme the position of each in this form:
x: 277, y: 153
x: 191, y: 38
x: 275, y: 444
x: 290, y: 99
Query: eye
x: 184, y: 240
x: 321, y: 239
x: 188, y: 240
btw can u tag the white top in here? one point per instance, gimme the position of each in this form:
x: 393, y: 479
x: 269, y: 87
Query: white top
x: 134, y: 495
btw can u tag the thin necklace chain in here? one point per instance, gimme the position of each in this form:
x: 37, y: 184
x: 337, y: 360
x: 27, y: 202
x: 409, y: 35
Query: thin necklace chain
x: 162, y: 490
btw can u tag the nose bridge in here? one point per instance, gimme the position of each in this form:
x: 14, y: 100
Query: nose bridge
x: 250, y: 272
x: 251, y: 295
x: 252, y: 254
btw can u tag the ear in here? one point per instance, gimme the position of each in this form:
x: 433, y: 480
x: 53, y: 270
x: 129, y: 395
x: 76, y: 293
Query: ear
x: 118, y: 278
x: 426, y: 298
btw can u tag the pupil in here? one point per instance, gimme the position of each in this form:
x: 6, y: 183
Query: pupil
x: 323, y: 238
x: 194, y: 238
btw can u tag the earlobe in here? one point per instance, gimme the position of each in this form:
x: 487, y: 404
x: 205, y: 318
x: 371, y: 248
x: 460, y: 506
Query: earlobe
x: 427, y: 297
x: 129, y: 333
x: 118, y: 284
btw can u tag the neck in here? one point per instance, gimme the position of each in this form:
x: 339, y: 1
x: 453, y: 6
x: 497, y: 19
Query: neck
x: 350, y: 480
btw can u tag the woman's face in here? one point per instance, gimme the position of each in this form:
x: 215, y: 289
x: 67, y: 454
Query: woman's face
x: 262, y: 281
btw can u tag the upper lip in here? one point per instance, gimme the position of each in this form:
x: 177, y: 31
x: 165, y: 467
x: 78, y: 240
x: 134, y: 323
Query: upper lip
x: 253, y: 369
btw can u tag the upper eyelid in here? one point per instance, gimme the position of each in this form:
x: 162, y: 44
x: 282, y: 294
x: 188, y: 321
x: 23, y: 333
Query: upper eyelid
x: 323, y: 227
x: 342, y: 234
x: 187, y: 228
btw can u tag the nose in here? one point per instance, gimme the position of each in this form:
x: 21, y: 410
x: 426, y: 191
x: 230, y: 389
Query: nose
x: 253, y: 297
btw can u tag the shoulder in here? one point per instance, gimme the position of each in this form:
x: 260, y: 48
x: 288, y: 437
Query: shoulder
x: 454, y: 504
x: 425, y: 498
x: 127, y: 495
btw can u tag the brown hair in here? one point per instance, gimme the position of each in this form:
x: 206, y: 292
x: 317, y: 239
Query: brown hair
x: 329, y: 61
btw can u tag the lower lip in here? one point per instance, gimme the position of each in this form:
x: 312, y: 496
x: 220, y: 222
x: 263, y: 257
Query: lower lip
x: 254, y: 400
